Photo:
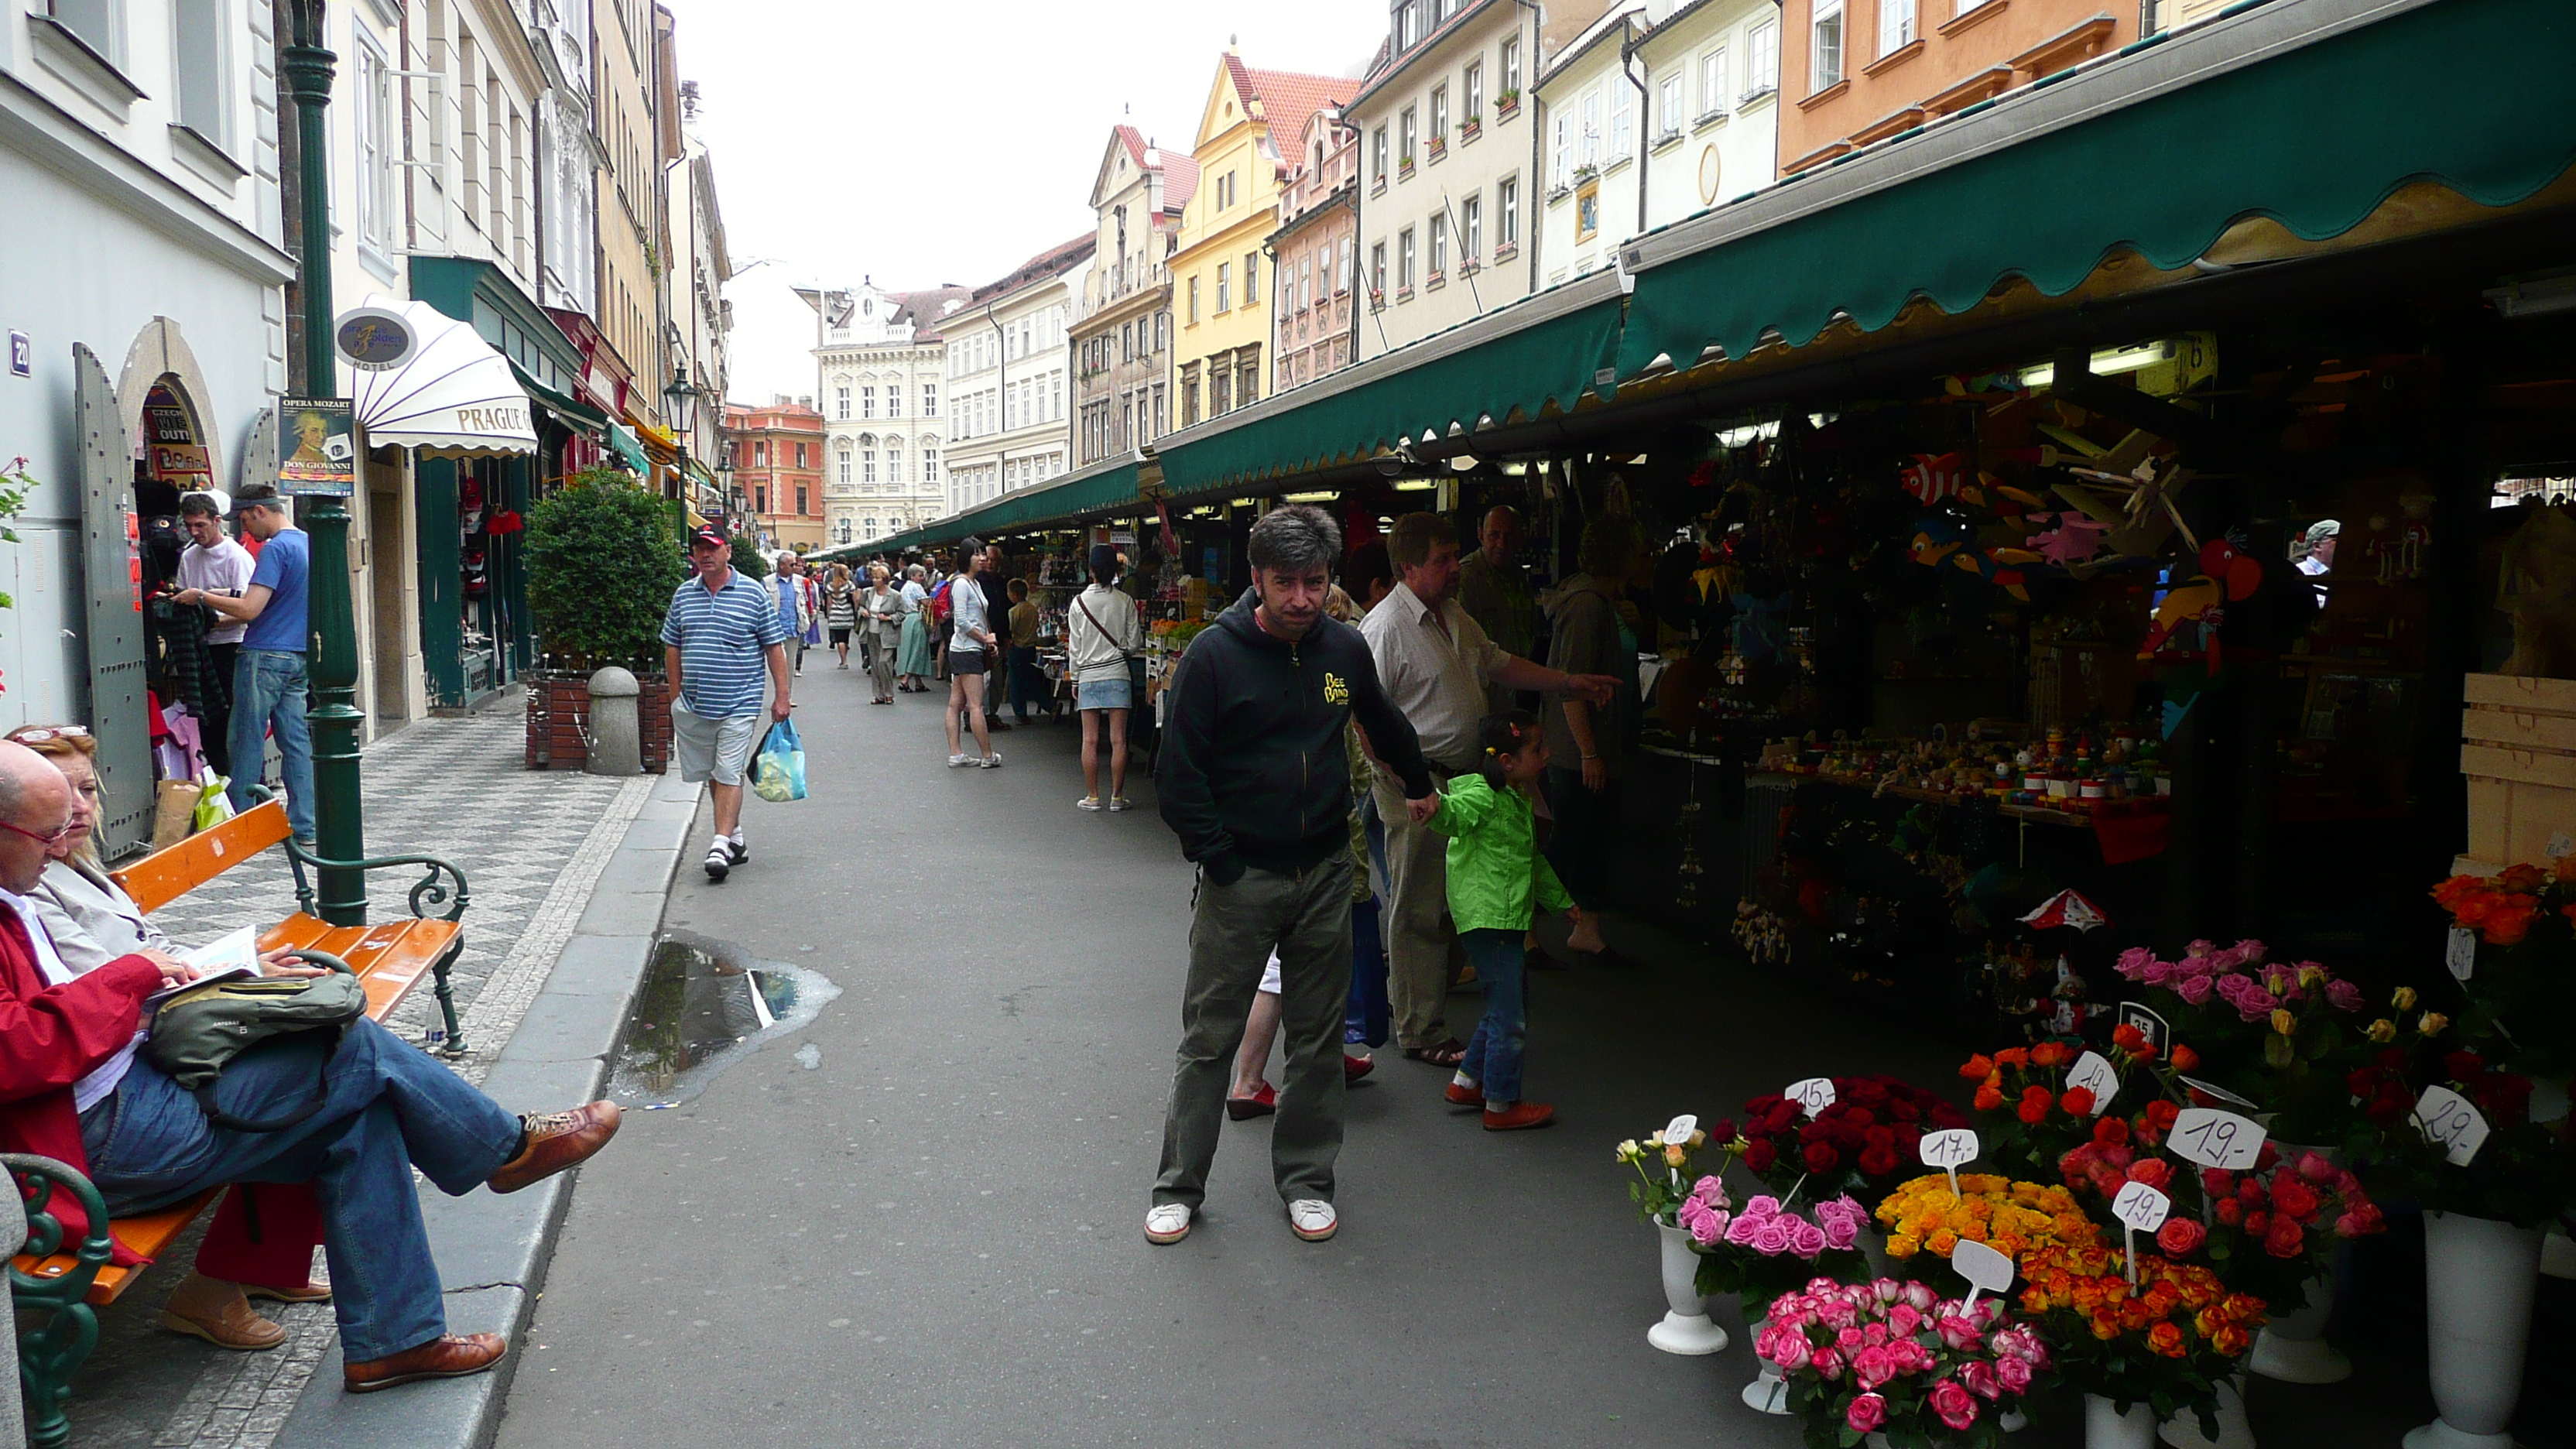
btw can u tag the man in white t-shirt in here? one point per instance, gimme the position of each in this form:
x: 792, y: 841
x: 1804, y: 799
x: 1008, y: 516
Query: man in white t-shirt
x: 218, y: 564
x: 971, y: 651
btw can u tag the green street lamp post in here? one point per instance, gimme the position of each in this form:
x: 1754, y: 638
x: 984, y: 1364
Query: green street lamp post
x: 339, y: 823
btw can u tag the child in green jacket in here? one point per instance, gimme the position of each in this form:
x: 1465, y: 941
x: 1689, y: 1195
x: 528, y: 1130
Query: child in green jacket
x: 1496, y: 875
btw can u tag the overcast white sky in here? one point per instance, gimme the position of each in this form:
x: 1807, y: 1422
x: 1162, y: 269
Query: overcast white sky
x: 920, y: 142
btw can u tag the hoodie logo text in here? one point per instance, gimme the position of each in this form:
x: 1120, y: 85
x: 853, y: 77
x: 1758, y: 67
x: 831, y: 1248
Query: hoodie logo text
x: 1335, y: 691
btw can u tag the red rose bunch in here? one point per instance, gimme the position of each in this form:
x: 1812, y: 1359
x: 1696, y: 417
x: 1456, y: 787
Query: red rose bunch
x: 1863, y: 1143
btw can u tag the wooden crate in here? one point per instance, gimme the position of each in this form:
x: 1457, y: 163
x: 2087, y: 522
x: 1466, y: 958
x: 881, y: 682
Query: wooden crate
x: 2518, y: 750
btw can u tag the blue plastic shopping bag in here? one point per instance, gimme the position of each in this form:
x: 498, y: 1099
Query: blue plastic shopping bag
x: 779, y: 770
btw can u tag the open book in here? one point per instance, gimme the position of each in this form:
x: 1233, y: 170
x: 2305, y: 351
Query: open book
x: 236, y: 954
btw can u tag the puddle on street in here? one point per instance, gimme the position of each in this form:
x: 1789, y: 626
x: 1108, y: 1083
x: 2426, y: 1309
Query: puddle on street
x: 704, y: 1005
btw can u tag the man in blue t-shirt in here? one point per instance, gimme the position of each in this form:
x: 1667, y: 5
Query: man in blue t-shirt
x: 268, y: 678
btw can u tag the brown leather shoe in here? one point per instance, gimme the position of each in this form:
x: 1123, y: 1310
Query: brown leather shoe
x: 448, y: 1357
x: 216, y: 1311
x: 316, y: 1289
x: 555, y: 1141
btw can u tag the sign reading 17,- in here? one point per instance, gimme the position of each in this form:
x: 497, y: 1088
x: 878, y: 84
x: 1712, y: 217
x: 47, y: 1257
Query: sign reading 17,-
x: 1949, y: 1151
x: 2216, y: 1139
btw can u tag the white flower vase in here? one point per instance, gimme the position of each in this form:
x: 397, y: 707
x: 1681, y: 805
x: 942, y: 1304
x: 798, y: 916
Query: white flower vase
x: 2105, y: 1427
x: 1686, y: 1329
x: 1769, y: 1391
x: 2235, y: 1431
x: 2012, y: 1421
x: 2293, y: 1347
x: 2479, y: 1279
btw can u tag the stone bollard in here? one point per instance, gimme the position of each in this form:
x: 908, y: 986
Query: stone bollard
x: 616, y: 734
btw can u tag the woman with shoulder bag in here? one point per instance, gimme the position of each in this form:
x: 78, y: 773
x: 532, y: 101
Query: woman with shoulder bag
x: 882, y: 609
x: 1101, y: 633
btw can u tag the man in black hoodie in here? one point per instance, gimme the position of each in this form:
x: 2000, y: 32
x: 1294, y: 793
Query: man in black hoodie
x: 1254, y: 779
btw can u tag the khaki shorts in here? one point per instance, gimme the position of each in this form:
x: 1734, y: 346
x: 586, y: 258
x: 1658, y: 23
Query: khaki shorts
x: 713, y: 749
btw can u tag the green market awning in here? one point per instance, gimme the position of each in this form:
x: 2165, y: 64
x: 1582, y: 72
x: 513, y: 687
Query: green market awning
x: 627, y: 450
x: 1105, y: 486
x: 2308, y: 112
x: 571, y: 409
x: 1545, y: 349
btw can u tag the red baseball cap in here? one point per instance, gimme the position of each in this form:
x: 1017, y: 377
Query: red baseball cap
x: 708, y: 534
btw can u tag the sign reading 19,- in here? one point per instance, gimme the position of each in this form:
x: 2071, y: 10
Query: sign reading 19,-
x: 2094, y: 1073
x: 2217, y: 1139
x: 2140, y: 1209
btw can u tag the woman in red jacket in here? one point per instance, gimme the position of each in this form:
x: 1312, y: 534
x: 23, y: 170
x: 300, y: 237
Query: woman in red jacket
x: 72, y: 1087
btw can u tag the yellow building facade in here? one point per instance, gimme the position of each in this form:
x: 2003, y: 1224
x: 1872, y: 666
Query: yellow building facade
x: 1221, y: 275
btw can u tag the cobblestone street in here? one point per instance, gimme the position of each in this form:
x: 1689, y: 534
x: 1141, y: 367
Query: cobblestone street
x: 531, y: 845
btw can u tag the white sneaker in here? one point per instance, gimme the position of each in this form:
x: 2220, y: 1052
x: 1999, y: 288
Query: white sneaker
x: 1167, y: 1223
x: 956, y: 762
x: 1087, y: 802
x: 1313, y: 1219
x: 1119, y: 802
x: 992, y: 761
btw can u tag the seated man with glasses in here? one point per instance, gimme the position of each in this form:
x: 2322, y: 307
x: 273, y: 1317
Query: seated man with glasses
x: 73, y: 1087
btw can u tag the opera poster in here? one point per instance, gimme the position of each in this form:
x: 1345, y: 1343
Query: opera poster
x: 319, y: 447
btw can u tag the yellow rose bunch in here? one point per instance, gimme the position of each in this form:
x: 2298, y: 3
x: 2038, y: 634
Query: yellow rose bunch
x: 2015, y: 1218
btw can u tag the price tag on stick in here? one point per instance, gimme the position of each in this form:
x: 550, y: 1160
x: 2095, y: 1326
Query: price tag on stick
x: 2140, y: 1209
x: 2215, y: 1092
x: 1986, y: 1269
x: 1950, y: 1151
x: 1814, y: 1094
x: 2451, y: 1123
x: 2094, y: 1073
x: 2460, y: 952
x: 2217, y: 1139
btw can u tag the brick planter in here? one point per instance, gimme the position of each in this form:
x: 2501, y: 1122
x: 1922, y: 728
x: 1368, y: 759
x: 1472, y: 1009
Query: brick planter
x: 559, y: 710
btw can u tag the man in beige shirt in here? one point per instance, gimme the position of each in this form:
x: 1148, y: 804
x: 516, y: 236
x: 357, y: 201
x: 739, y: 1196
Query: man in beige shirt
x: 1435, y: 664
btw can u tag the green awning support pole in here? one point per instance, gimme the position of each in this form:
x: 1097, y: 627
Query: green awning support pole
x: 339, y: 824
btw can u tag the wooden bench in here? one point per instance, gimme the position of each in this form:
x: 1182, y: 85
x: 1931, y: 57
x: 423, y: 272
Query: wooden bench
x: 67, y: 1285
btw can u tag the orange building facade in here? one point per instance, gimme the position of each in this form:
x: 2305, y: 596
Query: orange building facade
x: 1857, y: 71
x: 777, y: 455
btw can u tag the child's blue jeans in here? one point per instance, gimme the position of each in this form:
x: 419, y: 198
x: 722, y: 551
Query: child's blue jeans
x: 1494, y: 1054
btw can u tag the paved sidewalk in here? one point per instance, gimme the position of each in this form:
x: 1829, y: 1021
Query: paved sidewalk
x: 532, y: 845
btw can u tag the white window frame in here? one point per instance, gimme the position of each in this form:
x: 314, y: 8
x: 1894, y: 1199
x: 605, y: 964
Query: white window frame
x: 1507, y: 213
x: 1560, y: 168
x: 1623, y: 121
x: 1404, y: 259
x: 1440, y: 112
x: 1826, y: 42
x: 1897, y: 26
x: 1668, y: 107
x: 1511, y: 64
x: 1224, y: 288
x: 375, y: 130
x: 1715, y: 98
x: 1587, y: 136
x: 1471, y: 91
x: 1439, y: 245
x: 1471, y: 228
x: 1762, y: 59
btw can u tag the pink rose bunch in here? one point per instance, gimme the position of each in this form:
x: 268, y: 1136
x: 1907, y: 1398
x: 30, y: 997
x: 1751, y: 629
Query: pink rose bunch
x: 2239, y: 975
x: 1892, y: 1355
x: 1773, y: 1231
x: 1704, y: 1214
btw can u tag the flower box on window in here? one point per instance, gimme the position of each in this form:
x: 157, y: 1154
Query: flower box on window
x: 1507, y: 105
x: 1469, y: 129
x: 1404, y: 169
x: 1436, y: 279
x: 1439, y: 147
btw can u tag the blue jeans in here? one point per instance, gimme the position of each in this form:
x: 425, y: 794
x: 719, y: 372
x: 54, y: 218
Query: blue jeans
x: 1493, y: 1059
x: 1366, y: 1020
x: 268, y: 694
x: 387, y: 1108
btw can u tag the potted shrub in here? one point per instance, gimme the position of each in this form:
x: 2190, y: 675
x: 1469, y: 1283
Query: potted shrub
x: 602, y: 563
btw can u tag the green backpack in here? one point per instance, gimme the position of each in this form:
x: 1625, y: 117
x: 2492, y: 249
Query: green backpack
x: 198, y: 1032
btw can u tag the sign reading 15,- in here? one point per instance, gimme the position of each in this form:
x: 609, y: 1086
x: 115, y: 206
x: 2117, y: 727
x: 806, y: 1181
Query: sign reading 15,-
x: 2216, y: 1139
x: 1815, y: 1094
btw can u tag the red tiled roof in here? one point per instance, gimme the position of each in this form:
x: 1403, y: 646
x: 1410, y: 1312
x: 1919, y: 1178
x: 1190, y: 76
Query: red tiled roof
x: 926, y: 308
x: 1180, y: 179
x: 1135, y: 140
x: 1054, y: 261
x: 1288, y: 98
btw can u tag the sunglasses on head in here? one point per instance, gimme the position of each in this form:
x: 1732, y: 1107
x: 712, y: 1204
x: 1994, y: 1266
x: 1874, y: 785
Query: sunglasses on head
x: 56, y: 732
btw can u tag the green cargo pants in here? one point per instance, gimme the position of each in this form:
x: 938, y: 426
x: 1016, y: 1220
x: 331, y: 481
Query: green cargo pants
x: 1306, y: 917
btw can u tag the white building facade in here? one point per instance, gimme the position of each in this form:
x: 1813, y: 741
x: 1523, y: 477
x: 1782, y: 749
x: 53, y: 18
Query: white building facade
x: 1011, y: 368
x: 1445, y: 202
x: 1663, y: 108
x: 882, y: 385
x: 699, y: 317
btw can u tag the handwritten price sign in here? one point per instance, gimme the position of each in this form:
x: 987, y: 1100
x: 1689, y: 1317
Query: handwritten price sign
x: 2216, y: 1139
x: 2460, y: 952
x: 2452, y: 1124
x: 2094, y: 1073
x: 1950, y: 1151
x: 2140, y: 1209
x: 1814, y: 1094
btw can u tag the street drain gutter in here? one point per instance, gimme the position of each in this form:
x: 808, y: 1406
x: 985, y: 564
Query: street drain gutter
x: 492, y: 1251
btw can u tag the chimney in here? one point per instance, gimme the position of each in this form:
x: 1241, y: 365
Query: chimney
x: 806, y: 403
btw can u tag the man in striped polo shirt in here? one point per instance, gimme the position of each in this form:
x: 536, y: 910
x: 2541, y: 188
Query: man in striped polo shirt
x: 720, y: 630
